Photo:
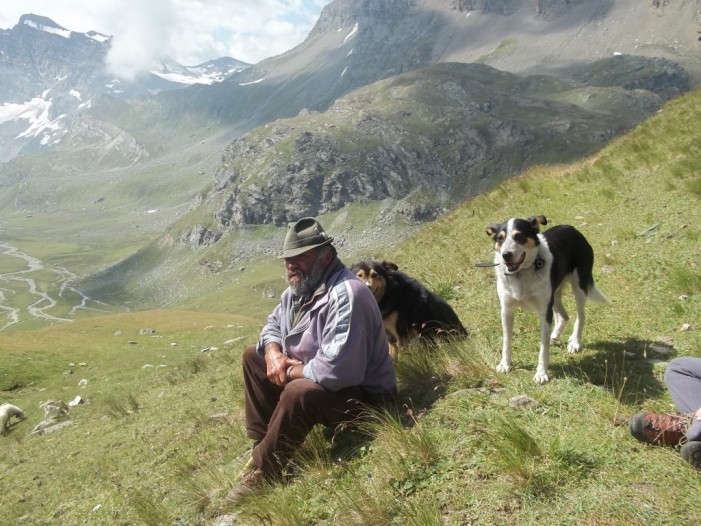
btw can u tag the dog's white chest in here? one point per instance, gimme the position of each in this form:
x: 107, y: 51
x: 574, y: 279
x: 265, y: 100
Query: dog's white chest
x: 529, y: 288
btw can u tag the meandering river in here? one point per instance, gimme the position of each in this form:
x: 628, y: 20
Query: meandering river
x: 55, y: 289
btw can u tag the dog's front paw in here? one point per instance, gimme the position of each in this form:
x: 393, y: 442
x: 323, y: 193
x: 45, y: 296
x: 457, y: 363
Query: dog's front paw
x: 503, y: 367
x: 541, y: 377
x: 573, y: 346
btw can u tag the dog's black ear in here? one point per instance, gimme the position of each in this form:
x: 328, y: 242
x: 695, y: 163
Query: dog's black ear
x: 360, y: 265
x: 536, y: 221
x: 389, y: 266
x: 492, y: 230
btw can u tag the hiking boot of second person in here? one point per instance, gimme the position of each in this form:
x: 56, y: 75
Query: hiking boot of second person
x: 659, y: 428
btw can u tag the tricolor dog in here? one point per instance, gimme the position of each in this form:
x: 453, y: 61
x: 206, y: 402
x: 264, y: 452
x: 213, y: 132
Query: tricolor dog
x: 408, y: 308
x: 532, y: 268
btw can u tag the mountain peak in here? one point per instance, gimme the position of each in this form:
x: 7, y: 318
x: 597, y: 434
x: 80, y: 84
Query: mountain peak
x: 39, y: 22
x: 42, y: 23
x: 45, y: 24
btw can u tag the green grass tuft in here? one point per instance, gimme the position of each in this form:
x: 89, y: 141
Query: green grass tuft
x: 118, y: 407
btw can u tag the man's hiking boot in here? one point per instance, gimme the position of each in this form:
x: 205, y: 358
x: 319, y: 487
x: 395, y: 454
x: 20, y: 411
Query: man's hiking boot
x: 252, y: 482
x: 691, y: 453
x: 660, y: 429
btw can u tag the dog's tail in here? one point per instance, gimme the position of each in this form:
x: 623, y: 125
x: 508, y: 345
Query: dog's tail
x: 596, y: 296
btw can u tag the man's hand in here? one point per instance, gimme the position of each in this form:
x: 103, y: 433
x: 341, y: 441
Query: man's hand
x: 276, y: 364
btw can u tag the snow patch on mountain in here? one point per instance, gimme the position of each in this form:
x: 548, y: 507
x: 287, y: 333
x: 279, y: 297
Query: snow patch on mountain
x: 98, y: 36
x: 252, y: 82
x: 46, y: 25
x: 54, y: 30
x: 352, y: 33
x: 208, y: 73
x: 36, y: 112
x: 194, y: 76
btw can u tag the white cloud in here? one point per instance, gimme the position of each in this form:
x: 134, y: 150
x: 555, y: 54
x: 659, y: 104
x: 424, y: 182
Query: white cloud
x: 189, y: 31
x: 141, y: 35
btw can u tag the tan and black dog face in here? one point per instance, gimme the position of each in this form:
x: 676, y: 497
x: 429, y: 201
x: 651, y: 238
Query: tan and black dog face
x: 374, y: 275
x: 516, y: 241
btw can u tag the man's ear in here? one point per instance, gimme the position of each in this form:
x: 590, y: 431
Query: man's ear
x: 327, y: 255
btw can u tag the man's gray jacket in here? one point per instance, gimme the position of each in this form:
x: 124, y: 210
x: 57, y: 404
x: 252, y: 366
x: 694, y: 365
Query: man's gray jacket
x: 339, y: 336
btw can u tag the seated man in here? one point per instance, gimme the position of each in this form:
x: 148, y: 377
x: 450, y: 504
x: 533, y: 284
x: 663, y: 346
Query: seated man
x: 322, y: 358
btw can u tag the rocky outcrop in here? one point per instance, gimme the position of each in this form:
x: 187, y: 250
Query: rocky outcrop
x: 499, y: 7
x: 658, y: 75
x: 199, y: 236
x: 427, y: 139
x: 508, y: 7
x: 346, y: 13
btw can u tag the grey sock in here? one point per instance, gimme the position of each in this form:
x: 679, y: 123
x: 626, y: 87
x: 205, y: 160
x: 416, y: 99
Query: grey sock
x: 694, y: 432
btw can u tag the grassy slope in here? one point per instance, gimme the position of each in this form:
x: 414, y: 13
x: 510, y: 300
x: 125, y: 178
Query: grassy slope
x: 144, y: 450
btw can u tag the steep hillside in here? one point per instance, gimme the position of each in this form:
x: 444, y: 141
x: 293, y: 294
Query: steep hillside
x: 465, y: 445
x: 352, y: 45
x: 554, y: 36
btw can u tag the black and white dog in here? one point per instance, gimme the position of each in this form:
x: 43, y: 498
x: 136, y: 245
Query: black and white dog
x: 532, y: 268
x: 409, y: 309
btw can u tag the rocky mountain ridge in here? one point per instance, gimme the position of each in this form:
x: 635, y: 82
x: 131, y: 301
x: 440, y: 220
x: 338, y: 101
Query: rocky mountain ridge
x: 380, y: 39
x: 427, y: 139
x: 355, y: 43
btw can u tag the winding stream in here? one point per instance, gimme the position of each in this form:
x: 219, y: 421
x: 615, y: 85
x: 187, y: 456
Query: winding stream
x: 13, y: 284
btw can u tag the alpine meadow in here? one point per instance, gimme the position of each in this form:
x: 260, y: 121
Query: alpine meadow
x: 141, y: 224
x: 160, y: 439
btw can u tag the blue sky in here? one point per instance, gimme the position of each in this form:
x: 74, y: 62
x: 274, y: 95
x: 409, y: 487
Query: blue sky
x: 189, y: 31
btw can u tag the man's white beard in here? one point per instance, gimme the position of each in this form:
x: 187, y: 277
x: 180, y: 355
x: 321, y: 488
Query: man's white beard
x: 309, y: 282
